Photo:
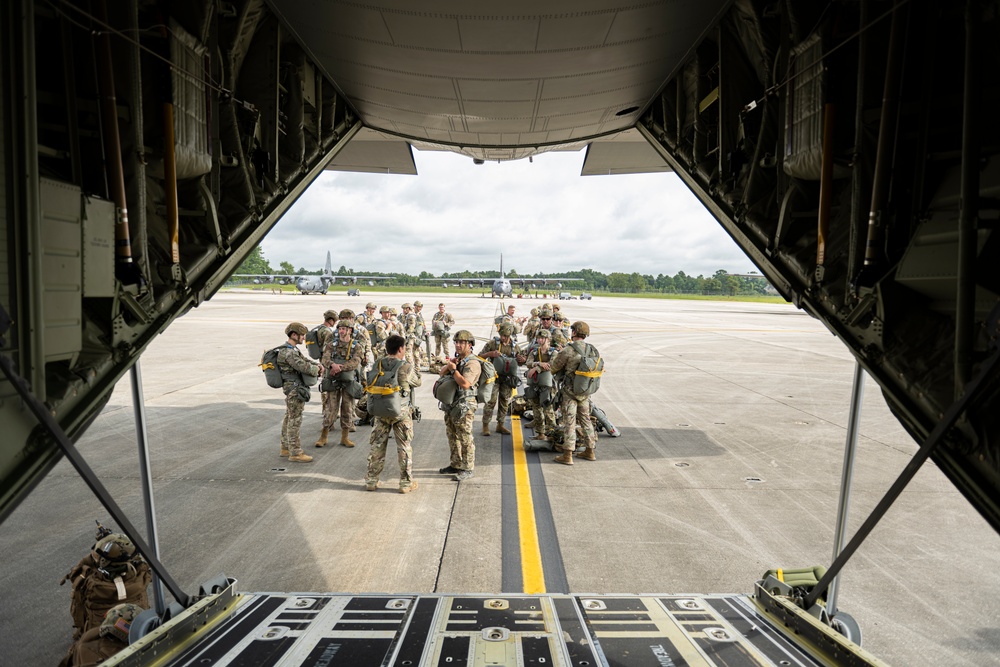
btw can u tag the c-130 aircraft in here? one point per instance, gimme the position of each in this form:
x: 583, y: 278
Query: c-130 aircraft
x: 312, y: 284
x: 841, y: 145
x: 502, y: 286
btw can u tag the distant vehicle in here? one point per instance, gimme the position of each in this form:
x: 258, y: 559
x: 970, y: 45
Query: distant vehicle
x: 586, y: 295
x: 502, y: 286
x: 565, y: 296
x: 312, y: 284
x: 354, y: 292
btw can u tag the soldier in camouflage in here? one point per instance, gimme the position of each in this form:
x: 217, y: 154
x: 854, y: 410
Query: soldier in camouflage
x: 367, y: 317
x: 504, y: 345
x: 531, y: 326
x: 364, y: 340
x: 293, y: 364
x: 441, y: 325
x: 574, y: 410
x: 465, y: 369
x: 421, y: 334
x: 538, y: 358
x: 545, y: 322
x: 401, y: 429
x: 341, y: 359
x: 324, y: 337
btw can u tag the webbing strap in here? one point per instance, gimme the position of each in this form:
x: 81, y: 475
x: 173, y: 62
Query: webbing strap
x: 381, y: 391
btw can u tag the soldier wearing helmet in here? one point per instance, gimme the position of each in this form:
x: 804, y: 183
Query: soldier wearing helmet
x: 293, y: 365
x: 342, y: 358
x: 100, y: 643
x: 409, y: 323
x: 422, y: 335
x: 575, y: 410
x: 512, y: 320
x: 325, y: 335
x: 441, y: 325
x: 531, y: 326
x: 546, y: 322
x: 368, y: 316
x: 503, y: 345
x: 538, y: 358
x: 465, y: 369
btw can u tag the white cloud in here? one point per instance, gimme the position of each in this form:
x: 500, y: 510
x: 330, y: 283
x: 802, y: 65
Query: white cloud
x: 542, y: 215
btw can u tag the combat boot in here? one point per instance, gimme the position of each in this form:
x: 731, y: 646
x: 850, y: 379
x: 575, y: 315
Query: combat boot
x: 352, y: 428
x: 588, y: 454
x: 486, y: 428
x: 343, y: 438
x: 566, y: 457
x: 502, y: 429
x: 407, y: 489
x: 283, y: 452
x: 301, y: 458
x: 321, y: 442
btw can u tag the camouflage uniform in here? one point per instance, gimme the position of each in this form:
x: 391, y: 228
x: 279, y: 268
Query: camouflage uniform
x: 463, y: 449
x: 543, y: 419
x: 507, y: 318
x: 325, y: 336
x: 419, y: 343
x: 402, y: 433
x: 377, y: 333
x: 350, y: 356
x: 501, y: 397
x: 531, y: 326
x: 575, y: 410
x: 441, y: 337
x: 291, y: 362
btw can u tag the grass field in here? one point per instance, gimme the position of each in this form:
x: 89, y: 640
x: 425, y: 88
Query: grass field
x: 342, y: 291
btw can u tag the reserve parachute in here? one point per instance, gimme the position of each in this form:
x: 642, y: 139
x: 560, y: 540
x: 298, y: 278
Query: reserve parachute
x: 385, y: 398
x: 586, y: 379
x: 313, y: 346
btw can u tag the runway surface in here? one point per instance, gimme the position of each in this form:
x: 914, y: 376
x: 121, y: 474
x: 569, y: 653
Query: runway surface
x: 733, y: 416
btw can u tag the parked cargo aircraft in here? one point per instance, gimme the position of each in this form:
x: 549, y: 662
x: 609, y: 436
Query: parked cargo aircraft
x: 145, y: 150
x: 311, y: 284
x: 502, y: 286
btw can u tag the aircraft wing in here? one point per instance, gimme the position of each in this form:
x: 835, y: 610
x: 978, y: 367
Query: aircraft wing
x: 460, y: 281
x: 541, y: 281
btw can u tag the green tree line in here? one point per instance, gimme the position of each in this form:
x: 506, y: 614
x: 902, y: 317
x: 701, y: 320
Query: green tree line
x: 721, y: 282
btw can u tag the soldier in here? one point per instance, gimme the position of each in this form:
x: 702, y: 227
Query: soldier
x: 560, y: 323
x: 538, y: 358
x: 367, y: 317
x: 512, y: 320
x: 341, y: 358
x: 531, y: 326
x: 397, y: 326
x: 574, y: 409
x: 441, y: 325
x: 465, y: 369
x: 421, y: 332
x: 401, y: 428
x: 100, y: 643
x: 545, y: 322
x: 503, y: 345
x: 324, y: 337
x: 293, y: 364
x: 377, y: 330
x: 410, y: 334
x: 364, y: 340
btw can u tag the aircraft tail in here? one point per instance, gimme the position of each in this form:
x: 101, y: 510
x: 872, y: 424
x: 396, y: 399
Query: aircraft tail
x: 328, y: 271
x: 501, y: 267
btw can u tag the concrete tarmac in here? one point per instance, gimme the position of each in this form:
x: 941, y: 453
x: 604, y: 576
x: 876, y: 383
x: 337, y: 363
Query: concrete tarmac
x: 733, y: 416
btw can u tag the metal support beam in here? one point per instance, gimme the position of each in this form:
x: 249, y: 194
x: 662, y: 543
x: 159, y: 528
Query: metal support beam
x: 847, y: 478
x: 980, y: 384
x: 48, y: 422
x: 139, y: 405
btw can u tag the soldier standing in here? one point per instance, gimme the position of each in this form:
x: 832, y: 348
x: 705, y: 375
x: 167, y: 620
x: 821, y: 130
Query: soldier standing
x: 401, y: 428
x: 293, y: 364
x: 441, y: 325
x: 538, y: 359
x: 421, y: 332
x: 367, y: 317
x: 364, y: 340
x: 410, y: 334
x: 465, y: 369
x: 512, y: 320
x: 341, y: 358
x: 573, y: 408
x: 545, y: 322
x: 503, y: 345
x: 324, y: 337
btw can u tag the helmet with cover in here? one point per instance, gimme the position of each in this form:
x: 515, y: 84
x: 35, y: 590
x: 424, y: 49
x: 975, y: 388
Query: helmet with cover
x: 296, y: 327
x: 464, y: 335
x: 580, y: 328
x: 118, y: 621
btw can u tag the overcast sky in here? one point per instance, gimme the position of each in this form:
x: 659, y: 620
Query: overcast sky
x: 542, y: 215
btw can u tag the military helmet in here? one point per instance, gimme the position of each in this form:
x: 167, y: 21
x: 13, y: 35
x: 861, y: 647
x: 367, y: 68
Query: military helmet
x: 330, y: 315
x: 346, y: 314
x: 545, y: 312
x: 407, y: 305
x: 534, y: 312
x: 296, y: 327
x: 392, y: 311
x: 556, y: 306
x: 580, y: 328
x: 113, y: 549
x: 418, y: 304
x: 465, y: 335
x: 547, y: 306
x: 384, y: 309
x: 505, y: 329
x: 118, y: 621
x: 371, y: 305
x: 348, y: 324
x: 543, y: 333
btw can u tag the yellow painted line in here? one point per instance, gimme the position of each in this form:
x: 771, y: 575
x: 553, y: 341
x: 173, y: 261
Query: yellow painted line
x: 531, y: 555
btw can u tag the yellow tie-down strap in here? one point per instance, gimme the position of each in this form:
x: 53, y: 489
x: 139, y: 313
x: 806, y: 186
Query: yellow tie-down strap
x: 268, y: 366
x: 382, y: 391
x: 590, y: 374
